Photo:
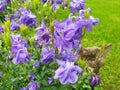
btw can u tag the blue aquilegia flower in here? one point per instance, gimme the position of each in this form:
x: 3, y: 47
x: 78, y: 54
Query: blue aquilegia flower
x: 67, y: 72
x: 68, y: 56
x: 44, y: 1
x: 55, y: 6
x: 36, y: 64
x: 1, y: 29
x: 23, y: 88
x: 33, y: 85
x: 66, y: 35
x: 14, y: 25
x: 50, y: 80
x: 1, y: 74
x: 47, y: 55
x: 94, y: 80
x: 14, y: 16
x: 7, y: 1
x: 77, y: 5
x: 19, y: 49
x: 31, y: 76
x: 42, y: 35
x: 59, y: 1
x: 2, y: 6
x: 85, y: 20
x: 27, y: 18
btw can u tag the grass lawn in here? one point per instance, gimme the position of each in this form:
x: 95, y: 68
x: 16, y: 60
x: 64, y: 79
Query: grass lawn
x: 108, y: 31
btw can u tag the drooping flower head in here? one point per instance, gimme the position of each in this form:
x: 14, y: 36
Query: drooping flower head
x: 19, y: 49
x: 2, y: 6
x: 44, y: 1
x: 33, y: 86
x: 36, y: 64
x: 31, y: 76
x: 1, y: 74
x: 14, y: 16
x: 1, y: 29
x: 66, y: 34
x: 8, y: 1
x: 27, y: 18
x: 23, y: 88
x: 14, y: 25
x: 42, y: 34
x: 77, y: 5
x: 47, y: 55
x: 59, y: 1
x: 67, y: 72
x: 68, y: 56
x: 55, y: 6
x: 50, y: 80
x: 94, y: 80
x: 85, y: 20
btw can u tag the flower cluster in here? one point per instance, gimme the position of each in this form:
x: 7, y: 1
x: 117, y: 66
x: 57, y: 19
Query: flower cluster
x: 21, y: 17
x: 55, y: 42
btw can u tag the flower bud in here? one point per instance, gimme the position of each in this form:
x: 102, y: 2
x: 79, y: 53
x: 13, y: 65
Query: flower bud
x: 31, y: 76
x: 94, y: 80
x: 86, y: 14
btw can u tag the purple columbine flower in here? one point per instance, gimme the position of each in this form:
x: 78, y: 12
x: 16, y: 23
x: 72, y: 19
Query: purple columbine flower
x: 59, y: 39
x: 59, y: 1
x: 2, y: 6
x: 31, y: 76
x: 7, y: 1
x: 42, y: 35
x: 14, y: 25
x: 67, y: 72
x: 44, y: 1
x: 55, y: 6
x: 36, y: 64
x: 1, y: 29
x: 85, y: 20
x: 23, y: 88
x: 27, y: 18
x: 77, y: 5
x: 66, y: 33
x: 14, y: 16
x: 19, y: 49
x: 1, y: 74
x: 33, y: 86
x: 50, y: 80
x: 47, y: 55
x: 9, y: 17
x: 94, y: 80
x: 68, y: 56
